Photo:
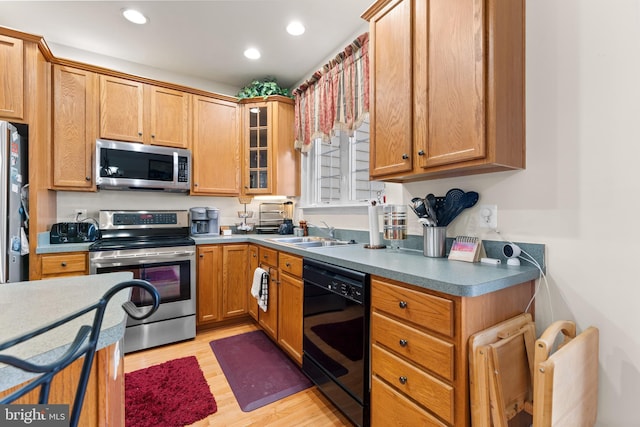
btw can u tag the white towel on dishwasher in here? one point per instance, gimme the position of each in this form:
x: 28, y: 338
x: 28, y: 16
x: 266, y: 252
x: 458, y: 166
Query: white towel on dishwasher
x: 260, y: 287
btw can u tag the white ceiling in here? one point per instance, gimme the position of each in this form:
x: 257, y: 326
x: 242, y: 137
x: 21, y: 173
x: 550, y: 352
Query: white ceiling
x: 203, y: 39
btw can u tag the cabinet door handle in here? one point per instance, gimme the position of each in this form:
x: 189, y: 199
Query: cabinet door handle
x: 405, y: 156
x: 153, y: 135
x: 403, y: 343
x: 139, y: 133
x: 402, y: 304
x: 195, y: 184
x: 64, y: 264
x: 87, y: 178
x: 201, y: 255
x: 421, y: 153
x: 402, y: 379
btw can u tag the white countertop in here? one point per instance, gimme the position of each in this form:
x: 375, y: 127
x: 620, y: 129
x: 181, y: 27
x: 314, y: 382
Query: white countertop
x: 26, y: 306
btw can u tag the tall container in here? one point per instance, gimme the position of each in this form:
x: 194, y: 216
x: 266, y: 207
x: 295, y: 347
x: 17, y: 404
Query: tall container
x: 395, y: 224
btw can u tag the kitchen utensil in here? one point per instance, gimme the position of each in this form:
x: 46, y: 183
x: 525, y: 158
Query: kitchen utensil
x: 415, y: 211
x: 430, y: 202
x: 452, y: 198
x: 428, y: 222
x: 454, y: 208
x: 419, y: 207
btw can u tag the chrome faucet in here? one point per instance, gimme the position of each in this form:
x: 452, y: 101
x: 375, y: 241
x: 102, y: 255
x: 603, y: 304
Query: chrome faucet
x: 331, y: 230
x: 328, y: 230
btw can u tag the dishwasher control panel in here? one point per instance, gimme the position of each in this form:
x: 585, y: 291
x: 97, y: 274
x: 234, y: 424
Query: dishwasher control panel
x: 342, y: 281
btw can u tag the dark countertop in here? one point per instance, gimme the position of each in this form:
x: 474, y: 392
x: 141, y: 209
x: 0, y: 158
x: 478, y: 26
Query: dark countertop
x: 456, y: 278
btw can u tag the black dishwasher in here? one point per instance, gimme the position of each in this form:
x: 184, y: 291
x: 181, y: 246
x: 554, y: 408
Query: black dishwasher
x: 336, y: 336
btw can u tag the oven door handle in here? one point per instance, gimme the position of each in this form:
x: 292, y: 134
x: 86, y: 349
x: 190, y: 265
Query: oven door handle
x: 148, y: 258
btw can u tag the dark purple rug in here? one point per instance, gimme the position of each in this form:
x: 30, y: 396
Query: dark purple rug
x: 258, y: 372
x: 173, y: 393
x: 346, y: 337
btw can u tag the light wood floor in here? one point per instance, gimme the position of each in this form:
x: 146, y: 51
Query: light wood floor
x: 306, y: 408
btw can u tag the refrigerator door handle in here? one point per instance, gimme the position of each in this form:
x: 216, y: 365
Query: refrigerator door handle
x: 4, y: 177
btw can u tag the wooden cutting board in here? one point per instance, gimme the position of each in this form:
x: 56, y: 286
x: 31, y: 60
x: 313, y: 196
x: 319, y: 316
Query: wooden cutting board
x: 479, y: 364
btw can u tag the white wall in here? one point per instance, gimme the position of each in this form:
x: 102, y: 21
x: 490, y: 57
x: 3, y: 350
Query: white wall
x: 578, y: 192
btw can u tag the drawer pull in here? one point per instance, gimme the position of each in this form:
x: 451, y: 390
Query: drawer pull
x: 64, y: 264
x: 402, y: 304
x: 287, y: 264
x: 402, y: 379
x: 403, y: 343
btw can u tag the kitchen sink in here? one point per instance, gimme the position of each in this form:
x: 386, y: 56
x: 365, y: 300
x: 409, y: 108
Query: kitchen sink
x: 310, y: 241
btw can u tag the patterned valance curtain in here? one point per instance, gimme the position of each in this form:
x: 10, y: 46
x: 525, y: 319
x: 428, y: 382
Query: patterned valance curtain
x: 336, y: 97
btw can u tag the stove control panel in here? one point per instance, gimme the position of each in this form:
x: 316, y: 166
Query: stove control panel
x: 119, y: 220
x: 144, y: 218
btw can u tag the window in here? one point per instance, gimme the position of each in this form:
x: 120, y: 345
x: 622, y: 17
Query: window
x: 336, y: 172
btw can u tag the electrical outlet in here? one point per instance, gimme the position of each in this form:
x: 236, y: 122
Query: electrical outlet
x: 488, y: 216
x: 77, y: 213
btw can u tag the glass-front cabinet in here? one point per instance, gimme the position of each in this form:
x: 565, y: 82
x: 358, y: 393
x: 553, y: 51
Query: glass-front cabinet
x: 271, y: 164
x: 258, y: 148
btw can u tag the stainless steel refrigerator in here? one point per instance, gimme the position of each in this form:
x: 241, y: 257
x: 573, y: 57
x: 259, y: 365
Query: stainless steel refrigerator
x: 14, y: 216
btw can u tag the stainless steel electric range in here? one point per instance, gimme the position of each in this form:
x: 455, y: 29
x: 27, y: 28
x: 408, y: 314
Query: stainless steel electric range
x: 154, y: 246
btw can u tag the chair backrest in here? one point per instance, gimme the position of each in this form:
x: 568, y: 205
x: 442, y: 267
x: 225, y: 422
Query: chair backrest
x: 84, y: 344
x: 566, y: 382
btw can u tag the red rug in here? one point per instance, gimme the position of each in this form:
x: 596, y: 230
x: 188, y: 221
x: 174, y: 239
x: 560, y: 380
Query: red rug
x: 174, y: 393
x: 257, y: 370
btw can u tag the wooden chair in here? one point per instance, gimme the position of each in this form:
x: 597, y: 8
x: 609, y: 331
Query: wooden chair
x: 84, y: 345
x: 510, y: 375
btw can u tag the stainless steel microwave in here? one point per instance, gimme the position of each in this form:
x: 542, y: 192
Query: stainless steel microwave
x: 131, y: 166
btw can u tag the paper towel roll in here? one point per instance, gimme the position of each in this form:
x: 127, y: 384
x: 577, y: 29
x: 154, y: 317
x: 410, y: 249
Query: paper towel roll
x: 374, y: 226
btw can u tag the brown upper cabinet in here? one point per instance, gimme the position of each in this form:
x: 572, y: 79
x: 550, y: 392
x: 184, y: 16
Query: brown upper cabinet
x: 11, y: 78
x: 271, y: 164
x: 463, y: 111
x: 216, y: 147
x: 139, y: 112
x: 75, y: 127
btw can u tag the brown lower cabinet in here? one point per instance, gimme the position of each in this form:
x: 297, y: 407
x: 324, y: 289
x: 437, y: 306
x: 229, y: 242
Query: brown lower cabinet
x: 419, y: 350
x: 221, y: 279
x: 104, y: 398
x: 64, y: 264
x: 290, y: 296
x: 283, y: 319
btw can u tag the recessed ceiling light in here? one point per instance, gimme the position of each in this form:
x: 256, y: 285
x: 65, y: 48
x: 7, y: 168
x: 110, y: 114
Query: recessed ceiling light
x: 252, y: 53
x: 295, y: 28
x: 134, y: 16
